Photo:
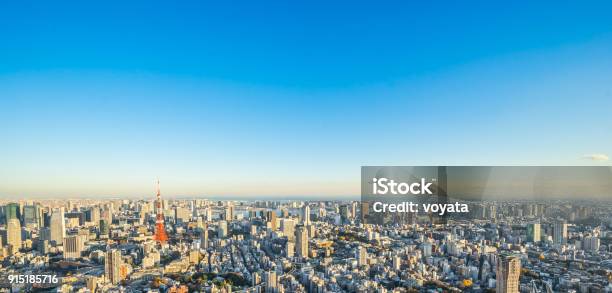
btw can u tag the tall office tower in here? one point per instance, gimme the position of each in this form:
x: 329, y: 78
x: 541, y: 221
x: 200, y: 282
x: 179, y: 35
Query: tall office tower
x: 208, y: 214
x: 493, y: 211
x: 301, y: 245
x: 271, y: 281
x: 73, y: 246
x: 344, y: 213
x: 32, y: 216
x: 397, y: 262
x: 204, y: 237
x: 533, y: 233
x: 222, y: 229
x: 160, y: 229
x: 95, y: 215
x: 289, y: 249
x: 271, y: 217
x: 58, y: 226
x: 13, y: 234
x: 353, y: 209
x: 112, y: 266
x: 287, y: 226
x: 228, y: 213
x: 591, y: 243
x: 507, y: 273
x: 427, y: 249
x: 364, y: 210
x: 306, y: 215
x: 560, y: 232
x: 362, y: 256
x: 181, y: 215
x: 192, y: 209
x: 12, y: 211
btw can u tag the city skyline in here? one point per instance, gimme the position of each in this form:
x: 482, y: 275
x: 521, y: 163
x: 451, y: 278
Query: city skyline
x: 297, y: 246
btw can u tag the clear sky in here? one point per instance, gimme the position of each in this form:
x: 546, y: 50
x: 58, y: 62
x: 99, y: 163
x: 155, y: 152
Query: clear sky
x: 290, y: 98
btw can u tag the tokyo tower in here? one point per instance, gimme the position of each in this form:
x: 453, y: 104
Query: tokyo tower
x: 160, y: 230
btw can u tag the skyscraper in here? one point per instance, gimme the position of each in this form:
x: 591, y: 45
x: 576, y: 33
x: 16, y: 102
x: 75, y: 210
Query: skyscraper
x: 507, y: 273
x: 301, y: 247
x: 12, y: 211
x: 73, y: 246
x: 533, y: 233
x: 13, y: 234
x: 560, y: 232
x: 112, y: 266
x: 204, y: 237
x: 306, y: 215
x: 362, y: 256
x: 287, y: 226
x: 228, y: 213
x: 222, y: 229
x: 289, y: 249
x: 32, y: 215
x: 94, y: 215
x: 271, y: 217
x: 58, y: 226
x: 271, y: 281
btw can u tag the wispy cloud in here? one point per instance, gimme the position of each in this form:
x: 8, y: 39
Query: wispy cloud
x: 596, y: 157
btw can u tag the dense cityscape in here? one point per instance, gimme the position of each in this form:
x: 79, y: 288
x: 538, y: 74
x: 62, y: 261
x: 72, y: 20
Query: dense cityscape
x: 200, y: 245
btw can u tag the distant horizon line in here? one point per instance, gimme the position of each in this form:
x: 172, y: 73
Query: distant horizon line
x: 287, y: 198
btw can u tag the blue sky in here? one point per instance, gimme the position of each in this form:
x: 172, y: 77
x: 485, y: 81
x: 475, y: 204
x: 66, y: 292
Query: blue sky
x: 277, y: 98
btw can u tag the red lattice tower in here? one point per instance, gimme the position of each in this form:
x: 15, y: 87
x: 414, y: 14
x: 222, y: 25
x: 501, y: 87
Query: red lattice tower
x: 160, y: 230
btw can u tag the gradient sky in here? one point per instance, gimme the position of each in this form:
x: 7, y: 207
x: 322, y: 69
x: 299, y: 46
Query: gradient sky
x: 287, y: 99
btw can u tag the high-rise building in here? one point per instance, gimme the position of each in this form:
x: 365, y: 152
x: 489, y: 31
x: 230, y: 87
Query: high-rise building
x: 362, y: 256
x: 591, y: 243
x: 427, y: 249
x: 306, y: 215
x: 287, y: 226
x: 112, y: 266
x: 345, y: 213
x: 271, y: 281
x: 58, y: 226
x: 507, y: 273
x: 301, y: 245
x: 204, y: 237
x: 92, y: 215
x: 73, y: 246
x: 289, y: 249
x: 533, y: 233
x: 560, y: 232
x: 364, y: 210
x: 397, y: 262
x: 271, y: 217
x: 32, y: 215
x: 228, y: 213
x: 208, y: 214
x: 13, y: 234
x: 12, y: 211
x: 222, y: 230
